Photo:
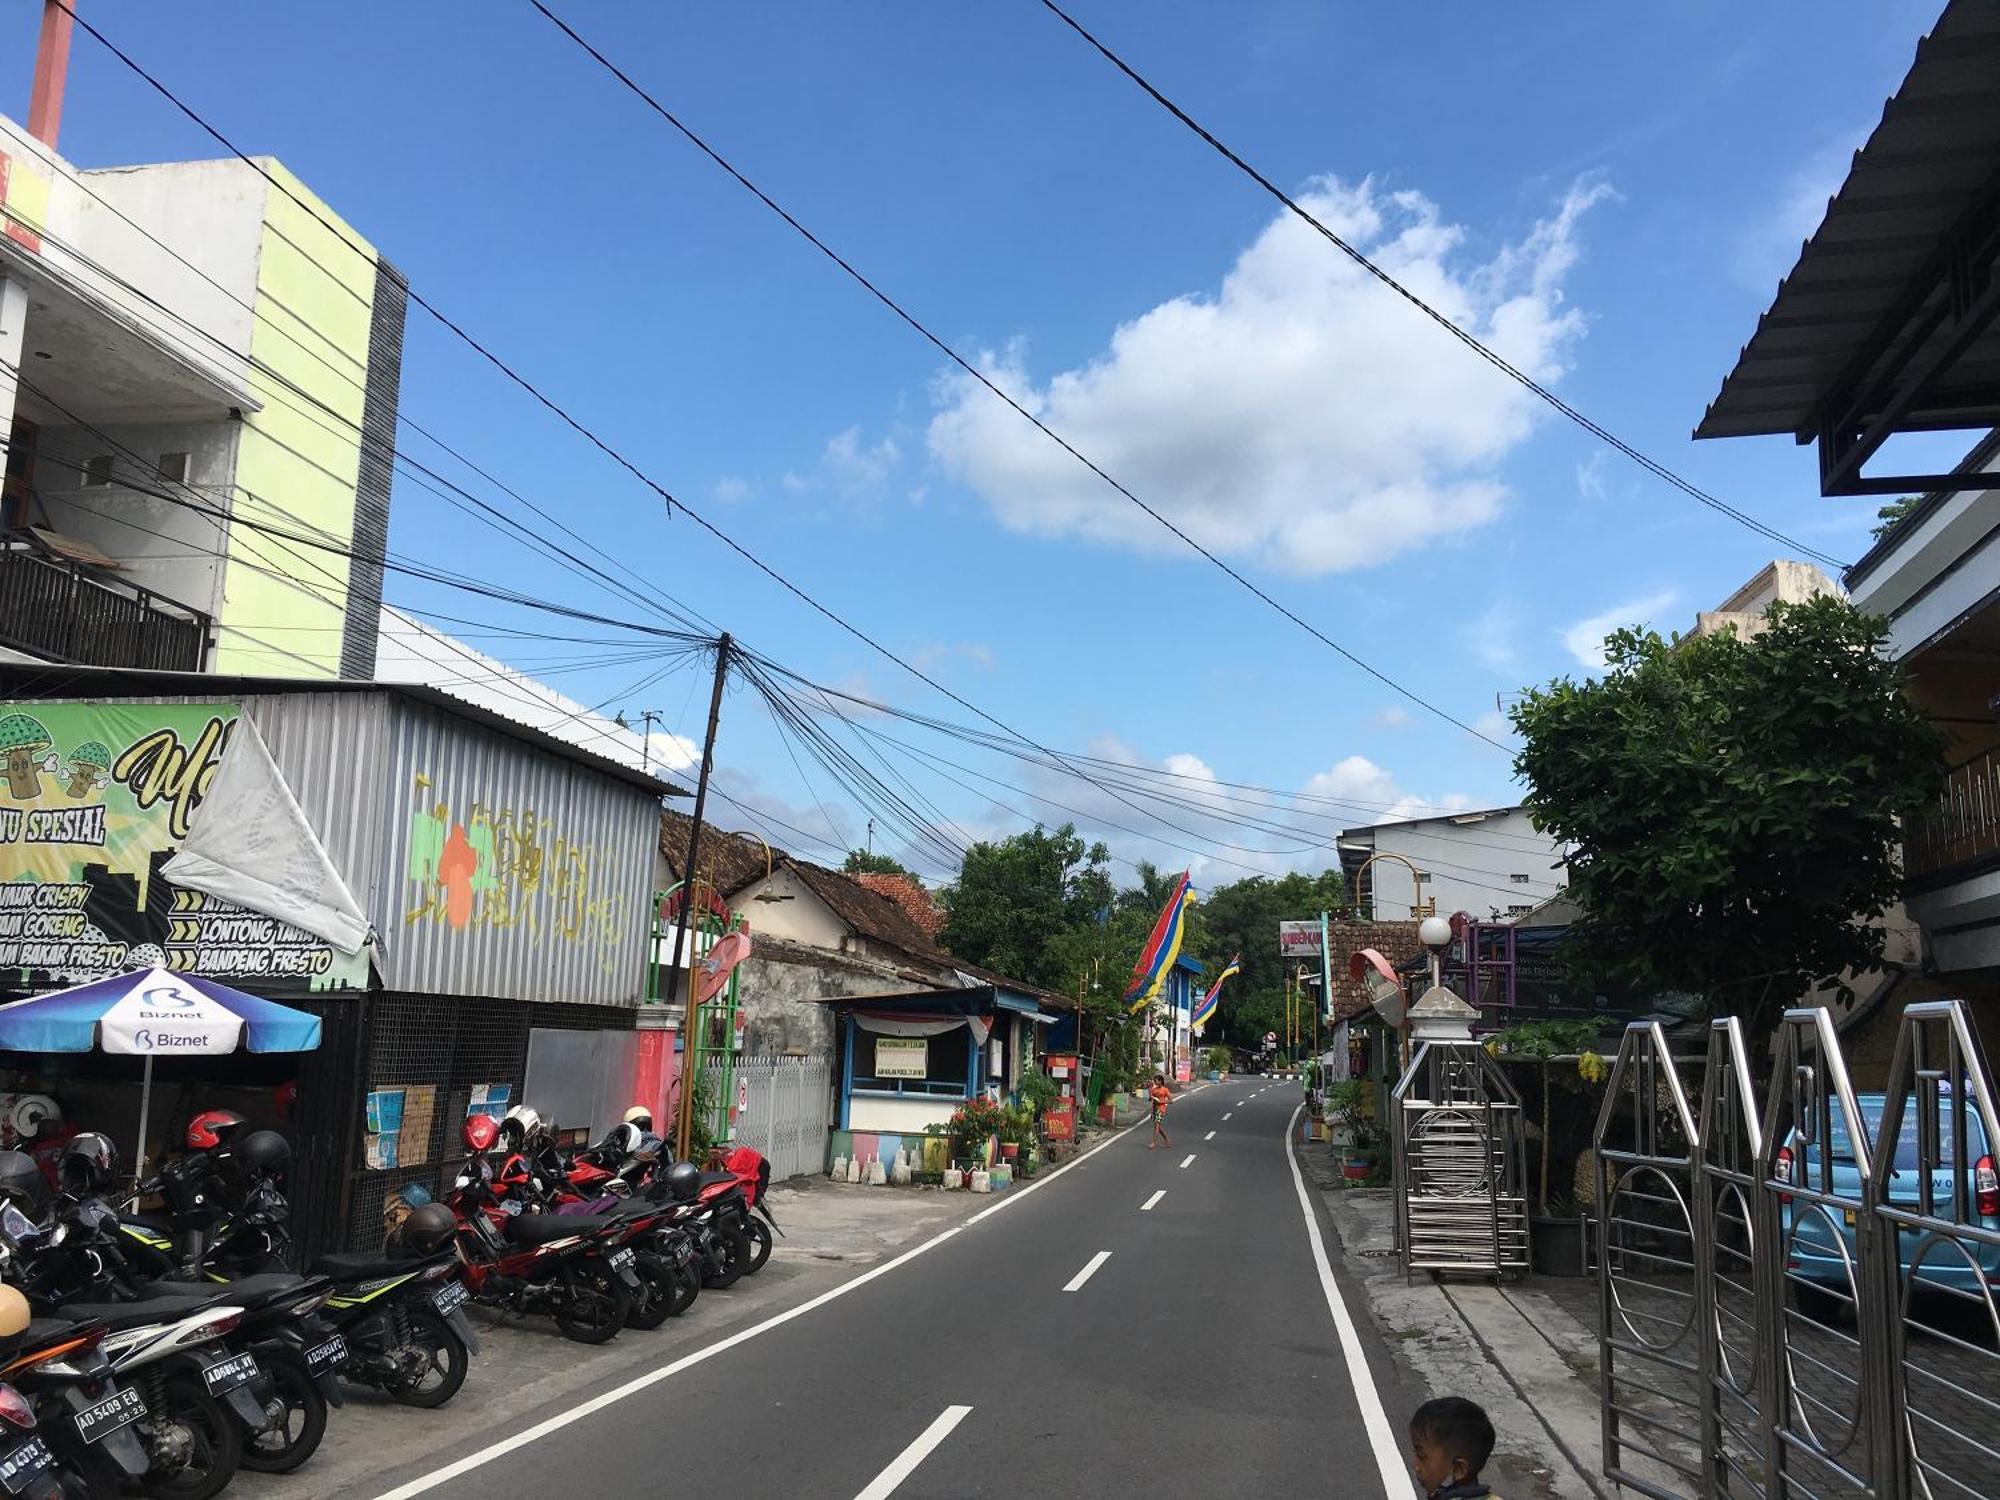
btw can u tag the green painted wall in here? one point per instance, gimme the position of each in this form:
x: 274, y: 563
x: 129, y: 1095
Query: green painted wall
x: 296, y: 464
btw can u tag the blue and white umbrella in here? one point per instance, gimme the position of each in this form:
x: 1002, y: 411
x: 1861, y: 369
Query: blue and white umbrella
x: 154, y: 1013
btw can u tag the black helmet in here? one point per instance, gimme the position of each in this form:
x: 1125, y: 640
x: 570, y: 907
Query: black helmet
x: 23, y: 1185
x: 262, y: 1153
x: 428, y: 1229
x: 684, y: 1181
x: 88, y: 1165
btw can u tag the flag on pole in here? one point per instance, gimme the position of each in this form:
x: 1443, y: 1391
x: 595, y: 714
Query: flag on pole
x: 1204, y: 1010
x: 1162, y: 948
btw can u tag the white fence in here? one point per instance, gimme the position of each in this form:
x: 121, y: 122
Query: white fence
x: 786, y: 1109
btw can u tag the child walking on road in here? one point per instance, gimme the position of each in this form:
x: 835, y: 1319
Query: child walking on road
x: 1161, y: 1095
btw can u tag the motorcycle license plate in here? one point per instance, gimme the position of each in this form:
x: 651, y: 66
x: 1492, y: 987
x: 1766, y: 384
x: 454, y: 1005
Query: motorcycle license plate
x: 24, y: 1465
x: 684, y: 1253
x: 226, y: 1375
x: 107, y: 1416
x: 620, y: 1259
x: 323, y: 1357
x: 450, y: 1297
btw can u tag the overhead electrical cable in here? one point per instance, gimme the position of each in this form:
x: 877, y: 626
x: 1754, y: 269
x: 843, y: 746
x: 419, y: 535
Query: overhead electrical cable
x: 973, y: 371
x: 1464, y: 336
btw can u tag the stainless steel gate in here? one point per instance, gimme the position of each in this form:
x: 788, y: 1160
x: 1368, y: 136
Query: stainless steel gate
x: 1461, y: 1195
x: 1805, y: 1289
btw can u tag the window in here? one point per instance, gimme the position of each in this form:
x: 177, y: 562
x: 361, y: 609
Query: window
x: 1518, y: 879
x: 97, y: 472
x: 174, y: 467
x: 947, y: 1058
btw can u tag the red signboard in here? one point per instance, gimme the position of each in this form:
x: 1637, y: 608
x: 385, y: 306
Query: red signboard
x: 1059, y: 1124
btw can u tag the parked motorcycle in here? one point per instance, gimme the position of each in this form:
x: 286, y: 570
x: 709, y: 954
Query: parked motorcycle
x: 524, y: 1262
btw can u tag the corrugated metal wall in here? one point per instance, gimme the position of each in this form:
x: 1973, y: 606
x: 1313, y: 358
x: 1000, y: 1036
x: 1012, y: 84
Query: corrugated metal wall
x: 554, y: 859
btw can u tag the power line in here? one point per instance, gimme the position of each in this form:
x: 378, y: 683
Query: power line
x: 977, y: 374
x: 673, y: 502
x: 1471, y: 341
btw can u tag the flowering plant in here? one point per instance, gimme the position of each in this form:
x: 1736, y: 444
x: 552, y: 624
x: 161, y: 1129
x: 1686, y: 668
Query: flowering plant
x: 971, y: 1123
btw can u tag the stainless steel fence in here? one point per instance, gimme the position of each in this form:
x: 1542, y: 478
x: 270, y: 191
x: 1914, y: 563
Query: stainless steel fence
x: 783, y: 1108
x: 1798, y: 1299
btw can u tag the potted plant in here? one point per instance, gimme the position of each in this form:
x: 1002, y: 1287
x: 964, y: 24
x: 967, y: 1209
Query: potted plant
x: 1557, y: 1229
x: 972, y: 1125
x: 1346, y: 1108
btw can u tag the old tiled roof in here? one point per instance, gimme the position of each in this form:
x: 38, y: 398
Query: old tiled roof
x: 908, y: 894
x: 1395, y: 941
x: 728, y: 861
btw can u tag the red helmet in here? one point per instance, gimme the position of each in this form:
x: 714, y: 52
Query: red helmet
x: 480, y: 1133
x: 211, y: 1128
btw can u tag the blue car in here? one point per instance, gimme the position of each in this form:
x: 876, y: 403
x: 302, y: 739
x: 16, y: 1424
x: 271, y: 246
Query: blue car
x: 1816, y: 1256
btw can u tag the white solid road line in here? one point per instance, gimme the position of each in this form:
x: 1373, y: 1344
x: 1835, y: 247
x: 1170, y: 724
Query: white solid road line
x: 1388, y: 1456
x: 1147, y: 1206
x: 1189, y: 1162
x: 885, y: 1483
x: 1210, y: 1136
x: 632, y: 1387
x: 1076, y: 1282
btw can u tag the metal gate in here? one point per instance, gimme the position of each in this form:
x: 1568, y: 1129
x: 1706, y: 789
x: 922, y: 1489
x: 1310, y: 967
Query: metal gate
x: 783, y: 1107
x: 1806, y: 1288
x: 1461, y: 1197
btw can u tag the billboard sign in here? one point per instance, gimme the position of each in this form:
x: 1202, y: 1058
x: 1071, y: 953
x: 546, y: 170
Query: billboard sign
x: 94, y: 800
x: 1299, y: 939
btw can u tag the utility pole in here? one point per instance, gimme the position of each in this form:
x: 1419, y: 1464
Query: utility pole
x: 647, y: 717
x: 871, y: 835
x: 690, y: 1010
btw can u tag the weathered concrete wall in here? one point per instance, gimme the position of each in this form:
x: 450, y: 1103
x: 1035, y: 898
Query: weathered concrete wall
x: 780, y: 982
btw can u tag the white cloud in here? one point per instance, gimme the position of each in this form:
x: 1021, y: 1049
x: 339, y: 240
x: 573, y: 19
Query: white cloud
x: 675, y: 752
x: 1494, y: 724
x: 1374, y: 793
x: 1391, y: 716
x: 1585, y: 639
x: 940, y: 653
x: 1590, y: 476
x: 854, y: 466
x: 731, y: 490
x: 1303, y: 416
x: 1493, y: 636
x: 1770, y: 244
x: 794, y: 482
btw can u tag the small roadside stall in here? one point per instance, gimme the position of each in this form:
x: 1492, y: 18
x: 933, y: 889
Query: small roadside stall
x: 907, y: 1061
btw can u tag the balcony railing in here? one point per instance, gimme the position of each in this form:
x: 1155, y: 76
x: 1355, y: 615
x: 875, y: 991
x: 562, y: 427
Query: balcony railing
x: 63, y: 610
x: 1964, y: 827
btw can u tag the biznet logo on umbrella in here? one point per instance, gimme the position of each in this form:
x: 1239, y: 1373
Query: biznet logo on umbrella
x: 169, y: 1018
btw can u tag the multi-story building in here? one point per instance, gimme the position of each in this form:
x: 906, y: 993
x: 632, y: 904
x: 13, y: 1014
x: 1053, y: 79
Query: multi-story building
x: 1492, y: 864
x: 199, y: 365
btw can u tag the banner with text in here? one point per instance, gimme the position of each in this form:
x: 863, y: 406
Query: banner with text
x: 94, y: 799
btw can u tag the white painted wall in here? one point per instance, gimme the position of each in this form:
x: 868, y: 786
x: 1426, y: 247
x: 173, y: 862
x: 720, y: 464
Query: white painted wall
x: 1471, y: 861
x: 797, y: 915
x: 900, y: 1116
x: 163, y: 546
x: 1957, y: 548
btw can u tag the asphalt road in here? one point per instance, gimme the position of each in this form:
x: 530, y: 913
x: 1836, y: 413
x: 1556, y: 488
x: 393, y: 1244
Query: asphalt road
x: 1144, y: 1322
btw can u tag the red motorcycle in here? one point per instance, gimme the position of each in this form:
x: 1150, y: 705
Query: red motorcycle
x: 573, y: 1267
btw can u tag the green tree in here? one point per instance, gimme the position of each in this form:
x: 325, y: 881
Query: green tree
x: 1243, y: 917
x: 1731, y: 805
x: 867, y: 862
x: 1890, y: 516
x: 1014, y: 900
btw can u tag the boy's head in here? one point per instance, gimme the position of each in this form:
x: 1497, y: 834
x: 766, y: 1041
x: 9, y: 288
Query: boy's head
x: 1450, y: 1441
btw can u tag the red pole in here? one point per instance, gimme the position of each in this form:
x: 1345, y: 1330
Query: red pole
x: 51, y: 73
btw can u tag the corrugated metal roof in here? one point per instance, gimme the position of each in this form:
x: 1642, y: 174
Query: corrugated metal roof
x: 1931, y: 161
x: 63, y: 680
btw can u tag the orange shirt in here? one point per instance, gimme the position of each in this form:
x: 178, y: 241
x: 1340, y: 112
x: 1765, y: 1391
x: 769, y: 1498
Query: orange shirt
x: 1162, y: 1095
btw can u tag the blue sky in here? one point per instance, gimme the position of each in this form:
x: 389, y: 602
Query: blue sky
x: 1611, y: 193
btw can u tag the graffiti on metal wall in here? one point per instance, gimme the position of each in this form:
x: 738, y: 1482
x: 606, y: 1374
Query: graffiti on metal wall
x: 507, y: 869
x: 94, y: 800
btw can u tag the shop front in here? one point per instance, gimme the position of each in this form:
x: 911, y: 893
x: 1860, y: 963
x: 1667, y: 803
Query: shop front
x: 906, y: 1062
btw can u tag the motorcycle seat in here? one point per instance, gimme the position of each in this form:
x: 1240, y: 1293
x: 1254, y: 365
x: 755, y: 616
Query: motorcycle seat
x: 540, y: 1229
x: 116, y: 1315
x: 256, y: 1291
x: 712, y: 1179
x: 362, y: 1265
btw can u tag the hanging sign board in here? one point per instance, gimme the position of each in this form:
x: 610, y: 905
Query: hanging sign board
x: 901, y: 1057
x: 1299, y: 939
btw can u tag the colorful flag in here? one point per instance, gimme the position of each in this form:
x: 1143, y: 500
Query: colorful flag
x: 1204, y: 1010
x: 1162, y: 948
